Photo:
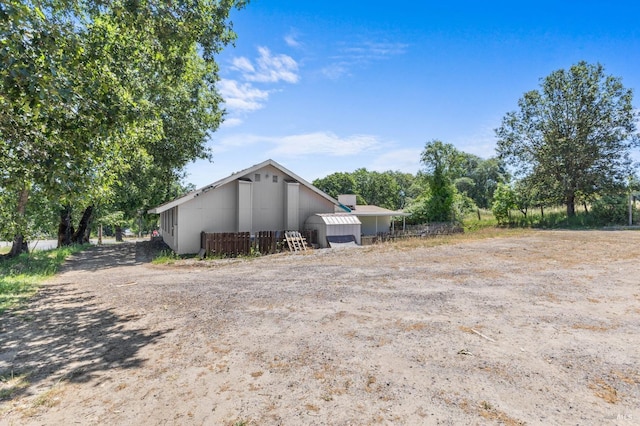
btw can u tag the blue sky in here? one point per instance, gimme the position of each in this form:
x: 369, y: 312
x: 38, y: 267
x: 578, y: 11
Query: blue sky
x: 332, y: 86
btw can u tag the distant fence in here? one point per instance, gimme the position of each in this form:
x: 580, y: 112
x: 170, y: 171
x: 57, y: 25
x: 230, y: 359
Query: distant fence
x: 243, y: 244
x: 414, y: 231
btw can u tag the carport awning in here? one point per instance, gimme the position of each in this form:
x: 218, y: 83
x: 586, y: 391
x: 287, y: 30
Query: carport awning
x: 368, y: 210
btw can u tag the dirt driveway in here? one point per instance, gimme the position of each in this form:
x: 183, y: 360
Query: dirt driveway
x: 543, y: 328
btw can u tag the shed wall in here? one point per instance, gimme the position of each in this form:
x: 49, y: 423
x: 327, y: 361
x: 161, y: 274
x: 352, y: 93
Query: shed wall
x: 371, y: 225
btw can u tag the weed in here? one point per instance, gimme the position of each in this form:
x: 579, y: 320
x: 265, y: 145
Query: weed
x: 11, y: 384
x: 166, y: 257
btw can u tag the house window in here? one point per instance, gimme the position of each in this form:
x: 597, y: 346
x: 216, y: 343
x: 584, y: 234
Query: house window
x: 275, y: 179
x: 256, y: 177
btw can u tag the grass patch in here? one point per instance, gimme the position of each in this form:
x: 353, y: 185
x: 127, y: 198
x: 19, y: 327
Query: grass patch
x: 20, y: 276
x: 166, y: 257
x: 11, y: 384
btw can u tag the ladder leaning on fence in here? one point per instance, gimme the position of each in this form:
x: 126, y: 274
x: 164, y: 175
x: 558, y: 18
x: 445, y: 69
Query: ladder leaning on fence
x: 295, y: 241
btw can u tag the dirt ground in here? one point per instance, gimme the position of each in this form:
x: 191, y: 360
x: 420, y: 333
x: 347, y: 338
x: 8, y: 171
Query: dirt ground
x: 541, y: 328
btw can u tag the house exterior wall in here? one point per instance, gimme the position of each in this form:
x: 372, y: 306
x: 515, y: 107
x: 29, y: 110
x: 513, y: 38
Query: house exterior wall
x: 312, y: 203
x: 263, y: 200
x: 245, y: 206
x: 369, y: 226
x: 291, y: 206
x: 212, y: 211
x: 268, y: 199
x: 169, y: 228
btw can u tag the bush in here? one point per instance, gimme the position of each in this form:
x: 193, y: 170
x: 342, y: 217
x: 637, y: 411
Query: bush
x: 611, y: 210
x: 503, y: 203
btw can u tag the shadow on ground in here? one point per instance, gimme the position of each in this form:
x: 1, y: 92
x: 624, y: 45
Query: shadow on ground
x: 115, y: 255
x: 64, y: 334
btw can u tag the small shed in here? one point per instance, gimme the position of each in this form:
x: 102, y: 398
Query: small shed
x: 334, y: 225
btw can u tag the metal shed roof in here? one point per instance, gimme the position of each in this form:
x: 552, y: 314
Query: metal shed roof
x: 337, y: 219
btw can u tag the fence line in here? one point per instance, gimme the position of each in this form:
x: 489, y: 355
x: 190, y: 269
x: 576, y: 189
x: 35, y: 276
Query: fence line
x: 240, y: 243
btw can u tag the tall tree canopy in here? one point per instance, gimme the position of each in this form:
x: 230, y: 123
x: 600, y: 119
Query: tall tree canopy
x: 91, y: 89
x: 575, y: 134
x: 443, y: 163
x: 388, y: 189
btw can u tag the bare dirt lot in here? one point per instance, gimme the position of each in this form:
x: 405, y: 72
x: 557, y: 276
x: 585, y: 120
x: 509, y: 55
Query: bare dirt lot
x: 540, y: 328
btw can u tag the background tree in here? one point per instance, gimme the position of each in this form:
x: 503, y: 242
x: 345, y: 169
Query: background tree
x: 443, y: 163
x: 480, y: 177
x: 389, y: 189
x: 503, y: 202
x: 577, y: 131
x: 336, y: 184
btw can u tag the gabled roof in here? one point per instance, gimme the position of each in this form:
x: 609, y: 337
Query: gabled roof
x: 234, y: 176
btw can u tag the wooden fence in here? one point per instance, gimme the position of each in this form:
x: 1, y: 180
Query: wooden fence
x: 240, y: 243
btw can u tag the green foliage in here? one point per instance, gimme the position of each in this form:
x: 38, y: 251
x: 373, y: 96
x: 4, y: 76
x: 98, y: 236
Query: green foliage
x: 480, y: 178
x: 388, y: 189
x: 503, y: 203
x: 94, y: 95
x: 572, y: 138
x: 336, y: 184
x: 478, y: 220
x: 166, y: 257
x: 20, y: 276
x: 611, y: 209
x: 443, y: 164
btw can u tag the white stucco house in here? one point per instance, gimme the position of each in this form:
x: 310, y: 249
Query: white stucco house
x: 264, y: 197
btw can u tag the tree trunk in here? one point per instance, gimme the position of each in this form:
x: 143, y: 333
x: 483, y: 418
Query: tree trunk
x: 119, y: 233
x: 586, y: 210
x: 571, y: 205
x: 65, y: 229
x: 542, y: 211
x: 20, y: 244
x: 81, y: 236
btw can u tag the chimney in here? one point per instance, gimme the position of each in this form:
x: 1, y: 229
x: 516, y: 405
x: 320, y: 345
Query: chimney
x: 348, y: 200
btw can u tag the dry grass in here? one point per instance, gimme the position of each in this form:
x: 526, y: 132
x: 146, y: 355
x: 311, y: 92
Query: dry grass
x: 489, y: 412
x: 594, y: 327
x: 482, y: 234
x: 604, y: 390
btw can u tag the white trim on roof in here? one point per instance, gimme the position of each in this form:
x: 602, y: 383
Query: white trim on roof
x: 181, y: 200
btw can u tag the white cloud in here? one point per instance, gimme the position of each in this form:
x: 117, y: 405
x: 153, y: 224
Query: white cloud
x: 481, y: 143
x: 242, y: 64
x: 292, y: 41
x: 370, y: 51
x: 241, y: 96
x: 404, y: 160
x: 305, y: 144
x: 360, y: 54
x: 335, y: 71
x: 231, y: 122
x: 269, y: 68
x: 324, y: 143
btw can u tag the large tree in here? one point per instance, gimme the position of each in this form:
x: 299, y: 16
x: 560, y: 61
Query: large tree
x: 575, y: 133
x: 443, y: 163
x: 89, y: 88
